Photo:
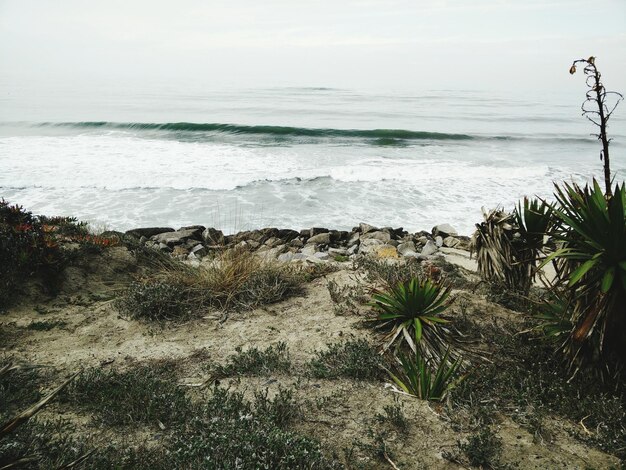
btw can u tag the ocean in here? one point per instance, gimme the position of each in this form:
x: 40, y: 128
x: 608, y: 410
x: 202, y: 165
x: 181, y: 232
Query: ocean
x: 292, y: 157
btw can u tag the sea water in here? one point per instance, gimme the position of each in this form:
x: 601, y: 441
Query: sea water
x: 292, y: 157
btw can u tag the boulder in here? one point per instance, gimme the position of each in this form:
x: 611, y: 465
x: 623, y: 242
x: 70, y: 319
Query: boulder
x: 354, y: 239
x: 337, y: 251
x: 286, y: 257
x: 451, y: 242
x: 365, y: 228
x: 370, y: 245
x: 430, y: 248
x: 309, y: 250
x: 321, y: 255
x: 191, y: 227
x: 178, y: 237
x: 445, y: 230
x: 352, y: 250
x: 407, y: 248
x: 272, y: 254
x: 317, y: 230
x: 287, y: 235
x: 199, y: 251
x: 273, y: 241
x: 213, y: 236
x: 148, y: 231
x: 321, y: 238
x: 296, y: 243
x: 377, y: 235
x: 438, y: 241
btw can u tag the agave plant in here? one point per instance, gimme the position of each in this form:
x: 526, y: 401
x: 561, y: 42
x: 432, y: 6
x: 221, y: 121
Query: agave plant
x: 415, y: 377
x: 592, y: 231
x: 507, y: 246
x: 410, y: 312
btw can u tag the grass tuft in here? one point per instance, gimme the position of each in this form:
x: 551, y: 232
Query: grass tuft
x: 257, y: 362
x: 356, y: 359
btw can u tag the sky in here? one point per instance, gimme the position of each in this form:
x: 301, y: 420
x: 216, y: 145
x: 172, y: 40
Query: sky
x: 360, y: 44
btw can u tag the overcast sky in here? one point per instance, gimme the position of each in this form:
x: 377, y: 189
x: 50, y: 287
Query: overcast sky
x: 362, y: 44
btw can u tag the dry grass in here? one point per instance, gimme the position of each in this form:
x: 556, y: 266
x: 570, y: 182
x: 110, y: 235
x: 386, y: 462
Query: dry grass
x: 234, y: 280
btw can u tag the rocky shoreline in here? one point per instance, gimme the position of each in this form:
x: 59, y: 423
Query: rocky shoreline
x: 192, y: 243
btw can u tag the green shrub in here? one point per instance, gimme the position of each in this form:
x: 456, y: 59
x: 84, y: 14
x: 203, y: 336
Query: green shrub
x: 25, y: 250
x: 591, y: 229
x: 409, y: 312
x: 483, y: 449
x: 155, y: 300
x: 356, y: 359
x: 141, y: 394
x: 257, y: 362
x: 421, y: 379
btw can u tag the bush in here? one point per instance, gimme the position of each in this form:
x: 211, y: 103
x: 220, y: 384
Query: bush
x: 591, y: 228
x: 142, y: 394
x: 235, y: 280
x: 353, y: 359
x: 409, y: 312
x: 256, y: 362
x: 26, y: 249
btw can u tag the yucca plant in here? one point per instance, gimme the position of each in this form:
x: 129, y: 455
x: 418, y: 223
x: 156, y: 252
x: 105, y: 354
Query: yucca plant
x: 415, y: 376
x: 592, y: 231
x: 409, y: 312
x: 507, y: 246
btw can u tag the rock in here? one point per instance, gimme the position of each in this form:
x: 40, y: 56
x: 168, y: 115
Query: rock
x: 321, y: 238
x: 354, y: 239
x: 180, y: 252
x: 199, y: 251
x: 337, y: 251
x: 451, y: 242
x: 178, y: 237
x: 317, y: 230
x: 407, y: 249
x: 377, y: 235
x: 365, y: 228
x: 438, y: 241
x: 194, y: 227
x: 143, y: 240
x: 273, y: 241
x: 253, y: 244
x: 397, y: 233
x: 445, y: 230
x: 296, y: 243
x: 190, y: 243
x: 164, y: 247
x: 213, y: 236
x: 387, y: 251
x: 271, y: 254
x: 309, y: 250
x: 287, y: 235
x: 286, y: 257
x: 352, y: 250
x: 148, y: 231
x: 370, y: 245
x: 321, y: 255
x: 423, y: 240
x: 429, y: 248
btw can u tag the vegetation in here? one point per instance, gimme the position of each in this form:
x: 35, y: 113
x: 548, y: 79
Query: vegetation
x: 591, y: 264
x: 235, y: 280
x: 483, y: 449
x: 26, y: 250
x: 257, y: 362
x: 410, y: 312
x: 141, y: 394
x: 596, y: 109
x: 355, y: 359
x: 425, y: 381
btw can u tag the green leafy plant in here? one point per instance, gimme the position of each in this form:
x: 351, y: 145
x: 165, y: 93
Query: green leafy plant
x: 418, y: 377
x: 355, y: 359
x: 410, y: 313
x: 257, y: 362
x: 508, y: 245
x: 592, y: 232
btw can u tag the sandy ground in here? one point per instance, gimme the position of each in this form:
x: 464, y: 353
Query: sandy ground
x: 93, y: 334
